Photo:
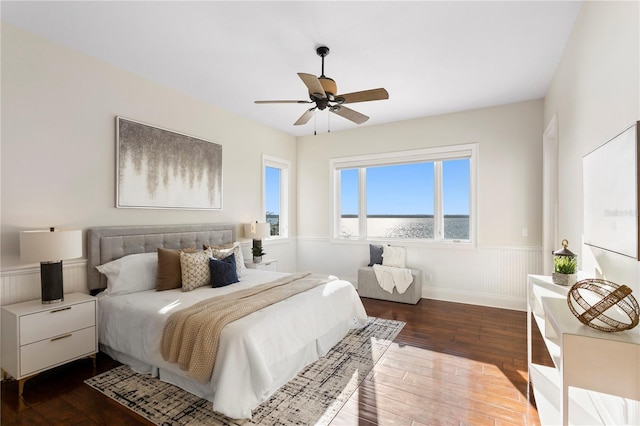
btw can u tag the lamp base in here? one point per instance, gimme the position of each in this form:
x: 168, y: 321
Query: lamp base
x: 51, y: 282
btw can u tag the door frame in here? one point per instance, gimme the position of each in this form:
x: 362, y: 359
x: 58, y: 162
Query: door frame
x: 549, y: 193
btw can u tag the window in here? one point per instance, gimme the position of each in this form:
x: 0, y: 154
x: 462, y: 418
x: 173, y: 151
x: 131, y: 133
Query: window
x: 349, y: 202
x: 276, y: 194
x: 456, y: 190
x: 419, y: 195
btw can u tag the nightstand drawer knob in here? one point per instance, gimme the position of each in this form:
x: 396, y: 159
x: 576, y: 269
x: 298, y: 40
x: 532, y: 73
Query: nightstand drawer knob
x: 60, y: 337
x: 61, y: 309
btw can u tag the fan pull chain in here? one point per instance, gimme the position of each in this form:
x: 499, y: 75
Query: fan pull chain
x: 315, y: 123
x: 328, y: 122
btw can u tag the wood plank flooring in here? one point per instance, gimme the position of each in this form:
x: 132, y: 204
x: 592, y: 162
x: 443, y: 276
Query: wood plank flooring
x: 452, y: 364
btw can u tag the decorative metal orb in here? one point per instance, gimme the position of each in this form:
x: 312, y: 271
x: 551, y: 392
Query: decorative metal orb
x: 603, y: 305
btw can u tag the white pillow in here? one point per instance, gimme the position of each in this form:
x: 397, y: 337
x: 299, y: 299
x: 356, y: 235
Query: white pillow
x: 394, y: 256
x: 130, y: 274
x: 239, y: 256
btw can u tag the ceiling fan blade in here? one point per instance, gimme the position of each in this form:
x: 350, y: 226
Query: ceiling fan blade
x: 349, y: 114
x: 313, y: 84
x: 364, y: 96
x: 283, y: 102
x: 304, y: 118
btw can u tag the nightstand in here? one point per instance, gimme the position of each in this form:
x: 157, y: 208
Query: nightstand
x: 37, y: 337
x: 265, y: 265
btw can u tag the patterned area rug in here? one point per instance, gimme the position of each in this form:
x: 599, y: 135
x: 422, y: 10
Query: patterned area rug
x: 313, y: 397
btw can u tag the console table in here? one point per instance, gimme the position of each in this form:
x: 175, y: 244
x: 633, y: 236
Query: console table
x: 588, y: 364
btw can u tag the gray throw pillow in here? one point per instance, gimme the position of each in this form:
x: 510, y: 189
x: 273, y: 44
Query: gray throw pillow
x: 375, y: 254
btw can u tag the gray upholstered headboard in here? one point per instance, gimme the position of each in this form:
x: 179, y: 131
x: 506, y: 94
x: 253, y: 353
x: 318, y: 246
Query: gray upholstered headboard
x: 107, y: 243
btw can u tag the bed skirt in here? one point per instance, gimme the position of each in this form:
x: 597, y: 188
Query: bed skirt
x: 287, y: 369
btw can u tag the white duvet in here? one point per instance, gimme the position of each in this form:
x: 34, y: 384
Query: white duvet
x: 257, y: 354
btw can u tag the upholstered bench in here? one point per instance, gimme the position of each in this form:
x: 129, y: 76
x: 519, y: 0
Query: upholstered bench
x: 368, y: 287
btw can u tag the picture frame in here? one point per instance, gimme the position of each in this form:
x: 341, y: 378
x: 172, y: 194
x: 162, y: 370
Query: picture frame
x: 158, y: 168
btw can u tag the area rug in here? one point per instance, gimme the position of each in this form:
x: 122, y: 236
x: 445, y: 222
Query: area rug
x: 313, y: 397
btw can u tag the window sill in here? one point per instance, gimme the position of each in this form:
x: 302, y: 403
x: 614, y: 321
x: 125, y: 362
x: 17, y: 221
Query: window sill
x: 449, y: 244
x: 277, y: 240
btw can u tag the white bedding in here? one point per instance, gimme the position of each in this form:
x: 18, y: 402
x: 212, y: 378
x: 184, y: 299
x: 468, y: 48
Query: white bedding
x: 257, y: 354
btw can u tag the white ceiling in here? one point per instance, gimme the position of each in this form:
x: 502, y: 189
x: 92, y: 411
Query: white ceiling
x: 433, y: 57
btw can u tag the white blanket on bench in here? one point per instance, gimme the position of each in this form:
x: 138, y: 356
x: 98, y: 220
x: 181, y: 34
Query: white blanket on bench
x: 389, y: 277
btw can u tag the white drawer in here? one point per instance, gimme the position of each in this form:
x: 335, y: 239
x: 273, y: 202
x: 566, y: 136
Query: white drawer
x: 56, y: 321
x: 269, y: 266
x: 57, y: 350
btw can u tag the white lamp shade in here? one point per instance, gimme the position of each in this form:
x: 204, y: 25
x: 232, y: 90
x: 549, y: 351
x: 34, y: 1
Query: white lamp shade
x: 257, y: 231
x: 49, y: 246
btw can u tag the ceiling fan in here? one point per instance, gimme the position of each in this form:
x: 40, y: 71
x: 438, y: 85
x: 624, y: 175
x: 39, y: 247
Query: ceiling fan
x: 323, y: 93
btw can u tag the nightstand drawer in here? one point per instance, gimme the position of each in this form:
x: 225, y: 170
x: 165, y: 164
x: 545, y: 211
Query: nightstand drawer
x: 56, y: 321
x: 57, y: 350
x: 269, y: 266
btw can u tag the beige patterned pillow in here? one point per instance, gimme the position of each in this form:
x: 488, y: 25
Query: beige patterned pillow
x: 195, y: 269
x: 221, y: 252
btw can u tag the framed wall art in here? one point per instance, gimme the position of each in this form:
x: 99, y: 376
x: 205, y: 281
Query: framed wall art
x: 161, y: 169
x: 610, y: 180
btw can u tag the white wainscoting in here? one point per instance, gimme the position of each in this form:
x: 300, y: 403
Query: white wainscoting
x: 487, y: 275
x: 22, y: 283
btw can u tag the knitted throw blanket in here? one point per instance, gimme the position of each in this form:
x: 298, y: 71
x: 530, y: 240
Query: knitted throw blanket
x: 191, y: 335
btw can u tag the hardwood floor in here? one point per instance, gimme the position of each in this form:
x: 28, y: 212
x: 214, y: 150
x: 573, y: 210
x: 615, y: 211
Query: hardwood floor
x: 452, y: 364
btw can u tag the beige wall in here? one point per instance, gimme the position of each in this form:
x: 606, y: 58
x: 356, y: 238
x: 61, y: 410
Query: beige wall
x: 509, y: 199
x: 509, y: 178
x: 58, y: 168
x: 58, y: 144
x: 596, y: 95
x: 58, y: 156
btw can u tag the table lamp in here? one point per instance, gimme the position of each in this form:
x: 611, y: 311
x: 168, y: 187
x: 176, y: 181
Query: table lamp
x: 50, y: 247
x: 257, y: 231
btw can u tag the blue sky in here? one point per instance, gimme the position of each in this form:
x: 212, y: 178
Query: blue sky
x: 402, y: 189
x: 456, y: 186
x: 407, y: 189
x: 272, y: 185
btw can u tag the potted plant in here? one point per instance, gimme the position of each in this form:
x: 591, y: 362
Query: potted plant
x: 565, y: 264
x: 257, y: 253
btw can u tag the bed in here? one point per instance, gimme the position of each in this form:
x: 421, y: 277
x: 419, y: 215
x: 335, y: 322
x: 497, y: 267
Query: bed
x: 257, y: 354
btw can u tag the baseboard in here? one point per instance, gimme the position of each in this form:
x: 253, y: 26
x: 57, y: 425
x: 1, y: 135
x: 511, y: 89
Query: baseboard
x: 492, y: 301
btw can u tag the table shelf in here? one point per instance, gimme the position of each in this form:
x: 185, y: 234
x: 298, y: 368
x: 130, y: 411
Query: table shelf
x: 596, y: 378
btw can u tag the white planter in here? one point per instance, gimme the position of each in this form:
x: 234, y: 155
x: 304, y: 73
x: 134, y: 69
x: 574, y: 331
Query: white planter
x: 564, y: 279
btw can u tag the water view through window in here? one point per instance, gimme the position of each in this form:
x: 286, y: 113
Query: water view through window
x: 400, y: 200
x: 456, y: 192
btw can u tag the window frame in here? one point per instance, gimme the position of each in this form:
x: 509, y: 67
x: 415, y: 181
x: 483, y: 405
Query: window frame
x: 285, y: 190
x: 436, y: 155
